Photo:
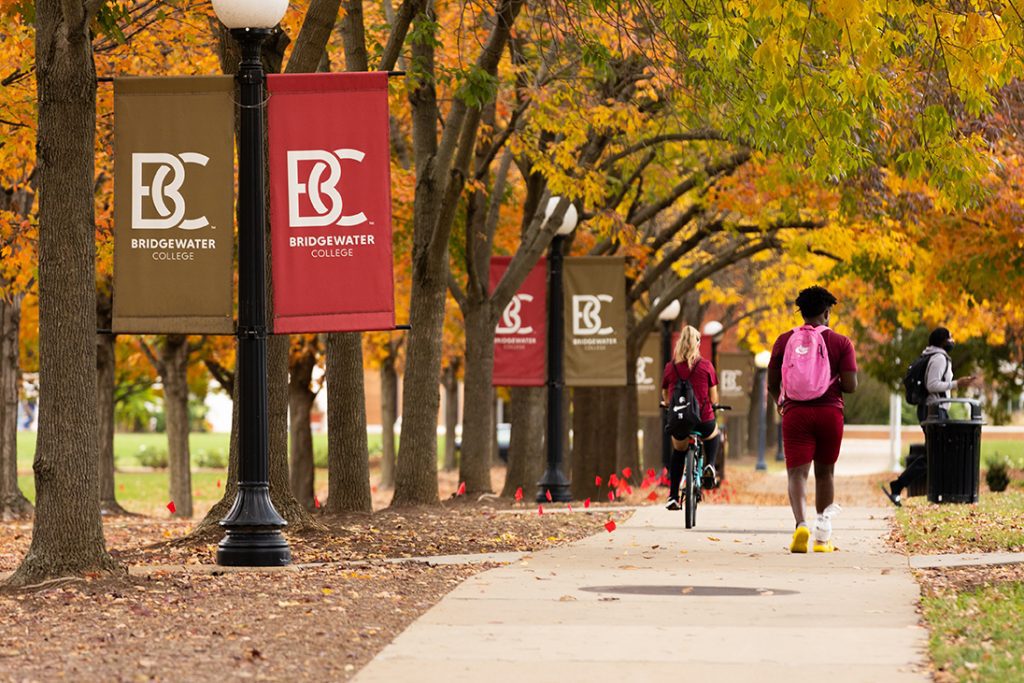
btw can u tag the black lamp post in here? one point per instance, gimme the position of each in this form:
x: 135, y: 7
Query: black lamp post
x: 667, y: 317
x: 554, y: 480
x: 761, y: 361
x: 252, y: 526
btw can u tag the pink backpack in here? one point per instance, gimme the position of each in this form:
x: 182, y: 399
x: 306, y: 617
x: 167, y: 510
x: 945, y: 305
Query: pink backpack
x: 806, y: 373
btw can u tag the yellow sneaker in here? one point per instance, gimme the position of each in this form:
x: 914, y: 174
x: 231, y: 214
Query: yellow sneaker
x: 825, y: 547
x: 800, y: 538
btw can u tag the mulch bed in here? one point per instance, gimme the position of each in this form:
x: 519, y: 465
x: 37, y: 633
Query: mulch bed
x: 320, y: 624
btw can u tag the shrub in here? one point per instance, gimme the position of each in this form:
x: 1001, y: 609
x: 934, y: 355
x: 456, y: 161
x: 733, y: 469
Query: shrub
x: 152, y: 456
x: 997, y: 477
x: 320, y: 457
x: 213, y: 458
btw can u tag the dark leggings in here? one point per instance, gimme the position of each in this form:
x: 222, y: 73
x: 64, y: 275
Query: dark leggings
x: 678, y: 462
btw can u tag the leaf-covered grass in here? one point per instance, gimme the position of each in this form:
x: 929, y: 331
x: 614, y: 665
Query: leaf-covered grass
x: 977, y: 635
x: 995, y: 524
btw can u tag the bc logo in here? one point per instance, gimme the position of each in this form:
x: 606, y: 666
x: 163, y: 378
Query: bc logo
x: 511, y: 321
x: 641, y: 371
x: 586, y: 314
x: 317, y: 188
x: 163, y: 189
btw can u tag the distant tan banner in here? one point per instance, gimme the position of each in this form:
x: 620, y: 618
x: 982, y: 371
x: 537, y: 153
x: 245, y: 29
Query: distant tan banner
x: 173, y: 204
x: 595, y: 321
x: 735, y: 381
x: 648, y: 376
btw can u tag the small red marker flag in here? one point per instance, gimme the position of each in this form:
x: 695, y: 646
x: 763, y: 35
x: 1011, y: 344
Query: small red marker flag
x: 218, y: 483
x: 597, y: 481
x: 170, y: 506
x: 611, y: 495
x: 316, y: 502
x: 569, y: 507
x: 653, y: 496
x: 547, y: 494
x: 373, y: 489
x: 650, y: 473
x: 540, y: 509
x: 610, y: 526
x: 519, y: 494
x: 121, y: 487
x: 462, y: 489
x: 613, y: 479
x: 586, y: 503
x: 627, y: 472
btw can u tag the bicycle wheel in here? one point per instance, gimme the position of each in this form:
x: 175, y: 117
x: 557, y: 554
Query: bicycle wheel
x: 692, y: 487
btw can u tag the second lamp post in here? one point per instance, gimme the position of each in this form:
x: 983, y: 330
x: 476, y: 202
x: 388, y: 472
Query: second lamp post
x: 554, y: 480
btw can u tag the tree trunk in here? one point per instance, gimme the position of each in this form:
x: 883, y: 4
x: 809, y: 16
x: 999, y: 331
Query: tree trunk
x: 13, y: 503
x: 627, y: 448
x: 106, y: 381
x: 348, y: 458
x: 594, y: 425
x: 451, y: 413
x: 300, y: 406
x: 298, y: 517
x: 526, y: 446
x: 67, y: 535
x: 652, y: 443
x: 174, y: 354
x: 478, y: 417
x: 388, y: 416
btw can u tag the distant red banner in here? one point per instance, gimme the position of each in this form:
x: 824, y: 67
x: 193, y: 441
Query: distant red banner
x: 520, y: 339
x: 330, y: 202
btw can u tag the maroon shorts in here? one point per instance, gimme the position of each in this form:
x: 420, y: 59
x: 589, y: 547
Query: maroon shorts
x: 811, y: 433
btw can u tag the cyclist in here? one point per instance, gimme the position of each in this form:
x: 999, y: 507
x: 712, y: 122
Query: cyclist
x: 688, y: 364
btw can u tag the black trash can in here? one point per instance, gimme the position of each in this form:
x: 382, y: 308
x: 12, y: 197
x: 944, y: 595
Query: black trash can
x: 954, y: 455
x: 919, y: 486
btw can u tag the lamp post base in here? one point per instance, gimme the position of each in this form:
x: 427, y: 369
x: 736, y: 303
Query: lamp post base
x: 252, y: 531
x: 556, y: 483
x: 761, y: 465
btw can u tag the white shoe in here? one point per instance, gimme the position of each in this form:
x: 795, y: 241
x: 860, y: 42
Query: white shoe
x: 672, y: 504
x: 823, y: 523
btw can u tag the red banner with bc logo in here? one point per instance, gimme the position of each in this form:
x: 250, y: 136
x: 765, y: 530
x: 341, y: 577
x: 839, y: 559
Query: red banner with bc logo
x: 520, y: 339
x: 330, y: 202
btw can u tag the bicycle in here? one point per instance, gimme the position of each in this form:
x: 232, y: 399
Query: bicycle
x: 691, y: 493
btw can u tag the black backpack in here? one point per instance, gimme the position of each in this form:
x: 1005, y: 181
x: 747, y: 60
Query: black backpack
x: 684, y: 410
x: 914, y: 388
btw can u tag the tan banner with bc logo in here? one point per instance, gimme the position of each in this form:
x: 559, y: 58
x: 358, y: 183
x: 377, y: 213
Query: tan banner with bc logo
x: 595, y: 321
x: 735, y: 381
x: 648, y: 376
x: 173, y: 204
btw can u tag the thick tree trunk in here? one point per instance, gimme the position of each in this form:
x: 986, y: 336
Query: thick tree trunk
x: 300, y: 406
x: 348, y: 459
x: 13, y: 503
x: 594, y: 427
x: 388, y: 416
x: 478, y: 417
x: 451, y: 413
x: 174, y: 352
x: 526, y: 447
x: 67, y: 536
x: 627, y: 448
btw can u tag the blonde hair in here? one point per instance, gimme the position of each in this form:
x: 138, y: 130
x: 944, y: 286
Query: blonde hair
x: 688, y: 346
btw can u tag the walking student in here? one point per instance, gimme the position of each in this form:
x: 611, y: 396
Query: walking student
x: 938, y: 382
x: 811, y: 368
x: 687, y: 364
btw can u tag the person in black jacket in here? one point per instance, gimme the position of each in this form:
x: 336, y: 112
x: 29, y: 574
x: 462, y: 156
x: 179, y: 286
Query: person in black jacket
x: 938, y: 382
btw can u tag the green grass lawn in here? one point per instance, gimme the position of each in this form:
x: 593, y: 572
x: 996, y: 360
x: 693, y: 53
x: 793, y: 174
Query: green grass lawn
x: 977, y: 635
x: 127, y: 447
x: 1014, y: 450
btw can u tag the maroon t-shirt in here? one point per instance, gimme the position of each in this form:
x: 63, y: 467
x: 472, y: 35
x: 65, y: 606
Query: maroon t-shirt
x: 702, y: 377
x: 841, y: 358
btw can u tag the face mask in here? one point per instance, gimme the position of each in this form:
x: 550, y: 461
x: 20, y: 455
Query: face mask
x: 948, y: 346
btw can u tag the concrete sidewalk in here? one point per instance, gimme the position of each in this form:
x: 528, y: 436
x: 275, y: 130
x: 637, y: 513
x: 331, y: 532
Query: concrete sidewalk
x: 653, y: 601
